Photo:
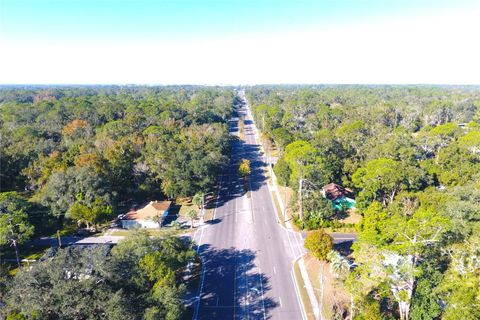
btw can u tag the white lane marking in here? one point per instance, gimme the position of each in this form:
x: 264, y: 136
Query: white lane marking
x: 299, y: 247
x: 290, y: 242
x: 200, y: 240
x: 297, y: 293
x: 280, y: 300
x: 199, y: 298
x: 274, y: 270
x: 301, y: 243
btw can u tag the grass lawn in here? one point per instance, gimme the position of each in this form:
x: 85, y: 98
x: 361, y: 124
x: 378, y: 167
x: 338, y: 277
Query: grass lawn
x: 353, y: 217
x: 185, y: 208
x: 208, y: 214
x: 303, y: 292
x: 164, y: 232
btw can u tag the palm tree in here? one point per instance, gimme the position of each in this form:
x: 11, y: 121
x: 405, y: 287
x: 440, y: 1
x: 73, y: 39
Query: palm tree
x: 198, y: 199
x: 339, y: 265
x: 192, y: 214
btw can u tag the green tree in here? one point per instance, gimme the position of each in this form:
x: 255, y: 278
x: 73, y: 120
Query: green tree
x: 244, y: 168
x: 98, y: 212
x: 153, y: 267
x: 305, y: 163
x: 318, y: 210
x: 319, y: 244
x: 187, y: 160
x: 192, y: 214
x: 380, y: 179
x: 471, y: 141
x: 14, y: 226
x: 199, y: 199
x: 301, y: 158
x: 399, y: 242
x: 64, y: 188
x: 460, y: 287
x: 281, y: 137
x: 437, y: 138
x: 426, y: 299
x: 339, y: 265
x: 282, y: 172
x: 73, y: 272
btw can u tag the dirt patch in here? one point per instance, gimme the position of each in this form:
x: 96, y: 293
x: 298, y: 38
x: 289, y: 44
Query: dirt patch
x: 335, y: 299
x: 352, y: 217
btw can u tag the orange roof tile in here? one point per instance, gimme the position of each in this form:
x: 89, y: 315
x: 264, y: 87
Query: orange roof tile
x: 153, y: 209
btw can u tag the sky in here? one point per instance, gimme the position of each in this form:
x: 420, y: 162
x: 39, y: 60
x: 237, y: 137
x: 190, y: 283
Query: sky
x: 239, y: 42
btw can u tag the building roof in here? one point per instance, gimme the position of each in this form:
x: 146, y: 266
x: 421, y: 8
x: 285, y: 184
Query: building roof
x: 151, y: 210
x: 333, y: 191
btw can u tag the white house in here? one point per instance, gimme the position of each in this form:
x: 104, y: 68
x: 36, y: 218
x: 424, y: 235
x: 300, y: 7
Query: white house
x: 151, y: 216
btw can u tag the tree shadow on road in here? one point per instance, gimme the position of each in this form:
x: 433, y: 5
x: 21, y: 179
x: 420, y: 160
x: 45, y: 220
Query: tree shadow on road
x: 233, y: 287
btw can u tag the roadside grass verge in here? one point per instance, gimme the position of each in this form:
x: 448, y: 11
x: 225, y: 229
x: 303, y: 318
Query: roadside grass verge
x: 280, y: 216
x: 334, y: 293
x: 208, y: 216
x: 303, y: 292
x: 341, y: 230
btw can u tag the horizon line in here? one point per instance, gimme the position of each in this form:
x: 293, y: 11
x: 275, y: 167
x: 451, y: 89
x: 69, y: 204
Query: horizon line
x: 240, y: 84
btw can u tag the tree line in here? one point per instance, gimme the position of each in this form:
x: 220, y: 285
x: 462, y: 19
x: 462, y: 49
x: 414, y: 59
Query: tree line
x: 411, y: 154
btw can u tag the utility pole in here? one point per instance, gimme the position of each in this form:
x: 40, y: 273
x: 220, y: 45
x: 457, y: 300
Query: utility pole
x: 300, y: 199
x: 300, y: 191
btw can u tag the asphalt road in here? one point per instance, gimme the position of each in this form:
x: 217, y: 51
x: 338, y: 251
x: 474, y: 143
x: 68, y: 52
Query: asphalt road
x: 247, y: 255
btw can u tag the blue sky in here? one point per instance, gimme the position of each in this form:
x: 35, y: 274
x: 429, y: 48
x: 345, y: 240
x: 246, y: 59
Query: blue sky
x: 210, y: 42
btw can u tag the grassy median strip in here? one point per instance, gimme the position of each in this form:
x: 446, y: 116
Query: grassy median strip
x: 303, y: 292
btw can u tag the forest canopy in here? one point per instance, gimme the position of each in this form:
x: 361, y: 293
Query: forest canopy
x: 411, y: 155
x: 96, y: 147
